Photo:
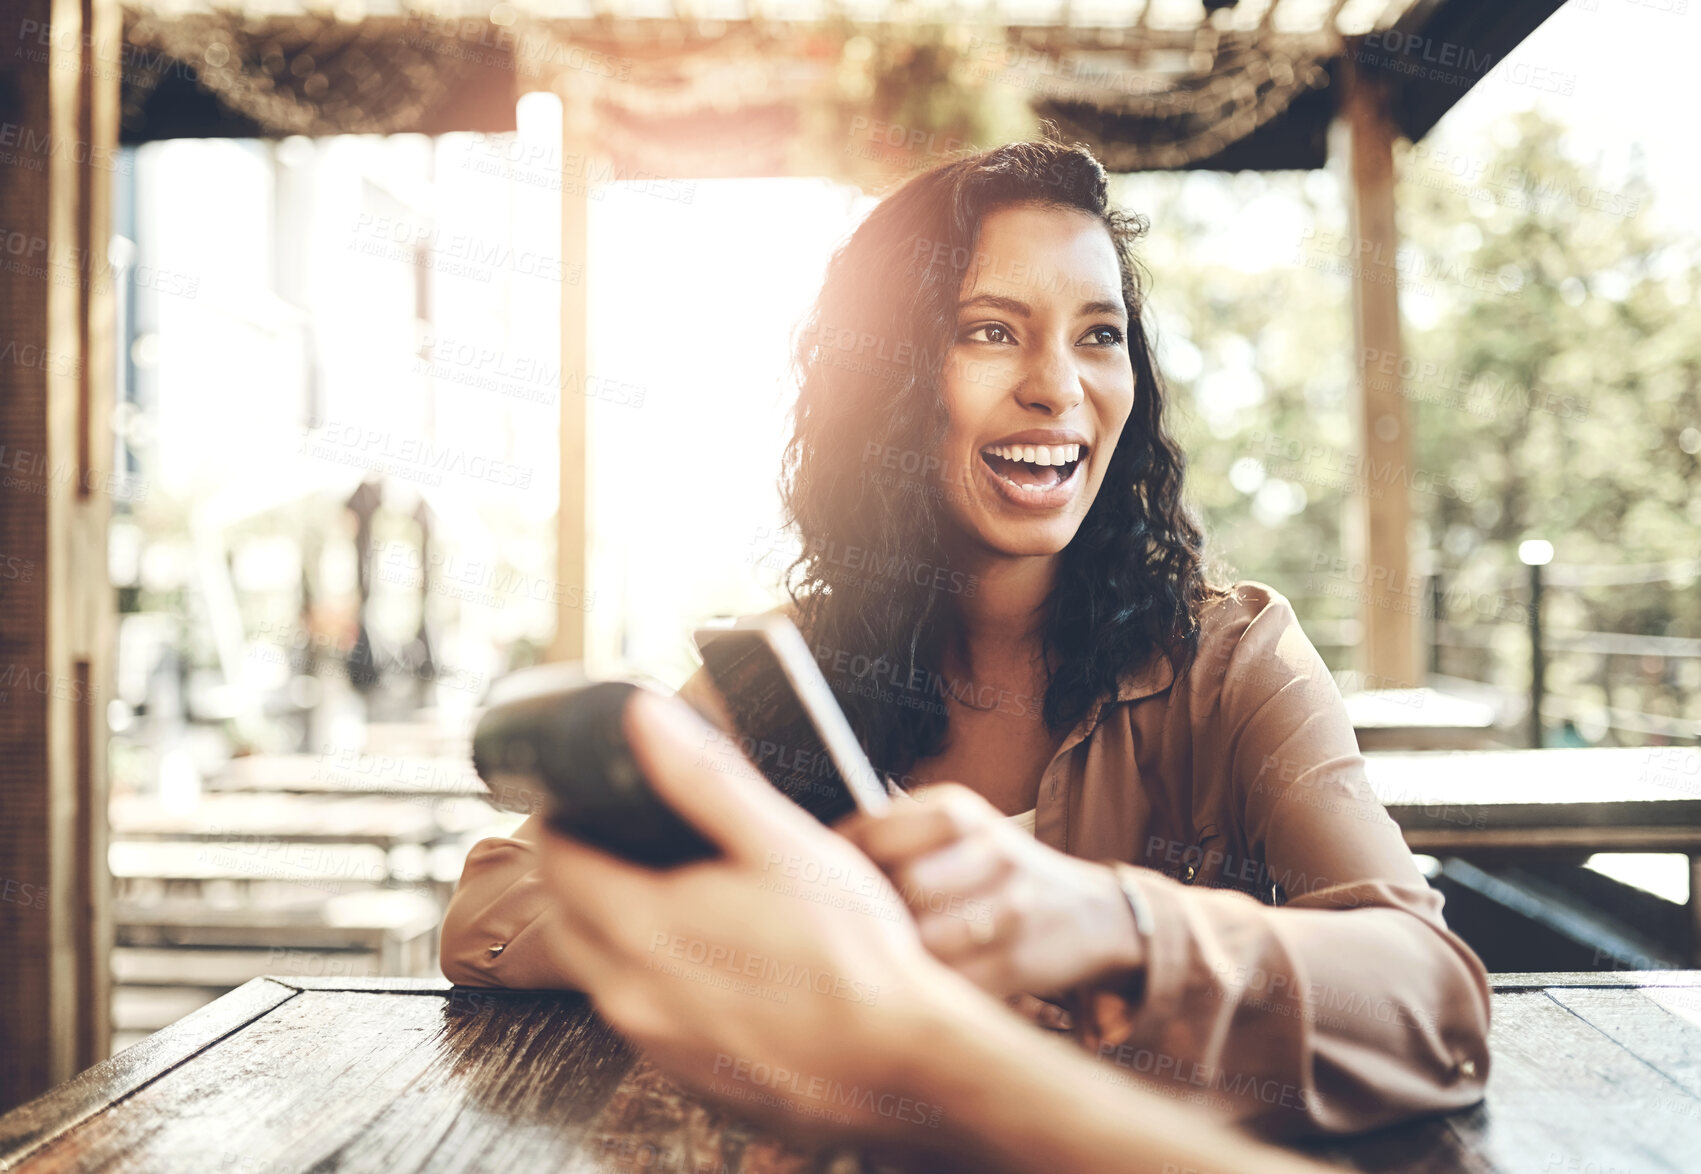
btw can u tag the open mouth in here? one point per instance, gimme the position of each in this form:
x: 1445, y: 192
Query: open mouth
x: 1033, y: 468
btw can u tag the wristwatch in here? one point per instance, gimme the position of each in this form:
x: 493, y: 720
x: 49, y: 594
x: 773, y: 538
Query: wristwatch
x: 1136, y: 901
x: 1135, y: 990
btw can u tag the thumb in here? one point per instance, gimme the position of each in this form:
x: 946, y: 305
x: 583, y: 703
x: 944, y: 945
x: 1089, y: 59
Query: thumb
x: 700, y: 773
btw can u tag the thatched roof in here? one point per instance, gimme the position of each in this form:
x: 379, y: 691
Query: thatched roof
x: 707, y: 87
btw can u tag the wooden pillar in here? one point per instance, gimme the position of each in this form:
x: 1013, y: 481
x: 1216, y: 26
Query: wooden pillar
x: 59, y: 90
x: 572, y: 531
x: 1695, y: 909
x: 1392, y: 600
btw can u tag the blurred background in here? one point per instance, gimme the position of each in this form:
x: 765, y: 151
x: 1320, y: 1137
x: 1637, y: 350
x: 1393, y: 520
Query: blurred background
x: 449, y: 339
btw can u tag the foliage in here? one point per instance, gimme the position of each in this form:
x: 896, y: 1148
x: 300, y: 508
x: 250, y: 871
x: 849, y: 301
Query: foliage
x: 1553, y: 380
x: 909, y: 98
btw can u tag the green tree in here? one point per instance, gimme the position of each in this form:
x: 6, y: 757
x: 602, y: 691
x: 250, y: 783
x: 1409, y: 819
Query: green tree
x: 1571, y: 386
x: 1553, y: 373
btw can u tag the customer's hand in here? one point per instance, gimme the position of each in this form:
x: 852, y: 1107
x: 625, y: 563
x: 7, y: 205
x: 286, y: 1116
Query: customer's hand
x: 784, y: 975
x: 1004, y: 910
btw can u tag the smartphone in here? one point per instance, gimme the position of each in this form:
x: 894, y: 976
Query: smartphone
x: 551, y: 742
x: 786, y: 719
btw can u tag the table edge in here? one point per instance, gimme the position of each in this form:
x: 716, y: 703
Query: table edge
x: 381, y: 985
x: 34, y: 1124
x: 1604, y: 979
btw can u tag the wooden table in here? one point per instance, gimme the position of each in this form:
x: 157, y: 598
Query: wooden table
x: 1419, y: 719
x: 317, y: 819
x: 1593, y: 1073
x: 1645, y: 799
x: 421, y: 780
x: 1559, y: 803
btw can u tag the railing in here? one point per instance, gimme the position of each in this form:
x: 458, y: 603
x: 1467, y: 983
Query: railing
x: 1541, y: 579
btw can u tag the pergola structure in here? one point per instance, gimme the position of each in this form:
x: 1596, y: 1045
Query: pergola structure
x: 653, y: 89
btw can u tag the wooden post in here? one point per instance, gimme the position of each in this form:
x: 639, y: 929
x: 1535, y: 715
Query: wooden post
x: 1538, y: 660
x: 1438, y: 620
x: 572, y: 531
x: 56, y: 606
x: 1695, y: 909
x: 1389, y: 608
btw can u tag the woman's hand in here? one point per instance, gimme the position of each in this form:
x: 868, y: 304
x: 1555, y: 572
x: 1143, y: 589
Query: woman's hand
x: 785, y: 975
x: 787, y: 979
x: 1004, y: 910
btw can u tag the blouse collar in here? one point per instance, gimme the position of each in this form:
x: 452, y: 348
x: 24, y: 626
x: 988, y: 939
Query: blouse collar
x: 1151, y: 677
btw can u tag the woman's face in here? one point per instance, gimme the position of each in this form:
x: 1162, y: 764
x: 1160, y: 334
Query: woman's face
x: 1037, y: 382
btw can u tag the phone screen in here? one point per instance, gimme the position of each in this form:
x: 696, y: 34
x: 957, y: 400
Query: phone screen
x: 775, y: 728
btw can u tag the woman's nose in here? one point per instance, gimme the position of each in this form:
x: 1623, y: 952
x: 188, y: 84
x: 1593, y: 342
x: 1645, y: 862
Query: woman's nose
x: 1052, y: 382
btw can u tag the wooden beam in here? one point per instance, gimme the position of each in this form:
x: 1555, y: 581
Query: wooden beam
x: 572, y: 531
x: 56, y: 621
x: 1378, y: 534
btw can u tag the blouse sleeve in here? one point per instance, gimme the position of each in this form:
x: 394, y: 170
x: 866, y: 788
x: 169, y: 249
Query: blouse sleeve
x: 1351, y: 1005
x: 494, y: 932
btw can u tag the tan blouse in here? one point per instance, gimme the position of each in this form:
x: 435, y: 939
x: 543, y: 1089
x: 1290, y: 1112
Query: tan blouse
x: 1299, y: 974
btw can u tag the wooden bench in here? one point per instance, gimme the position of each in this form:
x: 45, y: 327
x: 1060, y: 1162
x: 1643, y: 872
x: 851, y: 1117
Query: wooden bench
x: 321, y: 868
x: 424, y: 738
x: 170, y: 958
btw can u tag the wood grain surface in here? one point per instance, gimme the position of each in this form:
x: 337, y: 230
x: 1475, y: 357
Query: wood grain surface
x: 1593, y: 1074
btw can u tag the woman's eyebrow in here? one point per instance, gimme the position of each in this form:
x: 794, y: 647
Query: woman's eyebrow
x: 1023, y: 310
x: 994, y: 302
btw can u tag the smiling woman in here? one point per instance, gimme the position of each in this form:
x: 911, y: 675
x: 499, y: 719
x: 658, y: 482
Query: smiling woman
x: 1007, y: 329
x: 1008, y: 284
x: 1000, y: 417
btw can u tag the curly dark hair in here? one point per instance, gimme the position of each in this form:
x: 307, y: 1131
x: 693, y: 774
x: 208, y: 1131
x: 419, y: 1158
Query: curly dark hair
x: 871, y: 582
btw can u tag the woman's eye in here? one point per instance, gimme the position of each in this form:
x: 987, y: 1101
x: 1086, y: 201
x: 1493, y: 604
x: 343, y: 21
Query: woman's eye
x: 990, y: 332
x: 1105, y: 335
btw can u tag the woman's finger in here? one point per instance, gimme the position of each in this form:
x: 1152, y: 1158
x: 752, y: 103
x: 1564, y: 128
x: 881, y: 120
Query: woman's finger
x: 966, y: 865
x: 577, y: 940
x: 600, y: 895
x: 992, y: 972
x: 962, y: 930
x: 697, y: 771
x: 944, y: 813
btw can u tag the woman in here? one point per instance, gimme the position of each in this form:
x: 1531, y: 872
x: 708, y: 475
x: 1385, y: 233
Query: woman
x: 1001, y: 582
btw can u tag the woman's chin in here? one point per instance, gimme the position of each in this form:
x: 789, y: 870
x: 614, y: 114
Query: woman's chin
x: 986, y: 518
x: 1027, y: 537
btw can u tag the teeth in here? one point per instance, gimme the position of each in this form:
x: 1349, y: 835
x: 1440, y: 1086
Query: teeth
x: 1037, y: 454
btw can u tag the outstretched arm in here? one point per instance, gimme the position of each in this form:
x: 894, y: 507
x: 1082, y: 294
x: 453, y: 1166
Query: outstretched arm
x: 793, y: 1003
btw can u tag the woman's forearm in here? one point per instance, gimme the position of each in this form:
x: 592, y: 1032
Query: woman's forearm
x: 1020, y: 1100
x: 1350, y: 1008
